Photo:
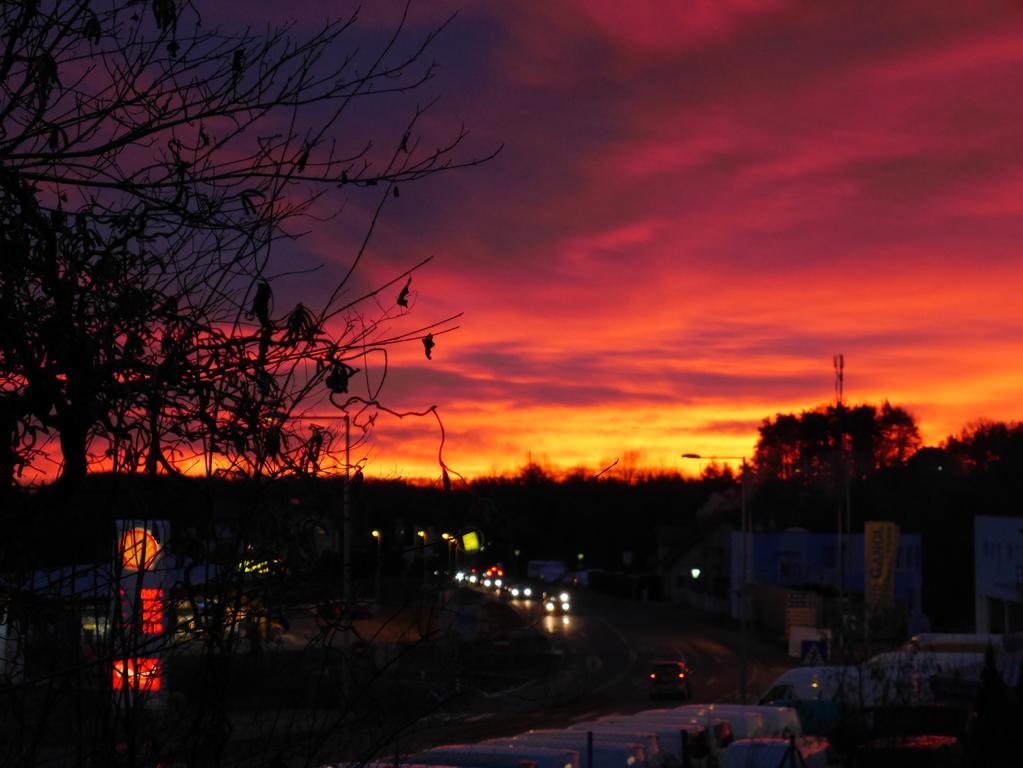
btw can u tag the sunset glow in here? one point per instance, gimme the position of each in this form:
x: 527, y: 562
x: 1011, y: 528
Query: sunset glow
x: 693, y: 212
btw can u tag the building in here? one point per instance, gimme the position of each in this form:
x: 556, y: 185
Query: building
x: 998, y: 569
x: 799, y: 560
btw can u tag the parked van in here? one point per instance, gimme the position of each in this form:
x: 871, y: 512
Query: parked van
x: 716, y: 732
x: 820, y: 694
x: 745, y: 724
x: 669, y: 735
x: 649, y: 740
x: 607, y: 753
x: 455, y: 757
x: 481, y: 754
x: 809, y: 751
x: 777, y: 721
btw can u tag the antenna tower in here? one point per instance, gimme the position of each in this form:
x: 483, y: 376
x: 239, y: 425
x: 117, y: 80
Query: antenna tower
x: 839, y: 361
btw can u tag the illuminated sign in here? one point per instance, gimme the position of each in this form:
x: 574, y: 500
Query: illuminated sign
x: 152, y: 611
x: 139, y: 549
x: 257, y: 566
x: 470, y: 541
x: 139, y: 674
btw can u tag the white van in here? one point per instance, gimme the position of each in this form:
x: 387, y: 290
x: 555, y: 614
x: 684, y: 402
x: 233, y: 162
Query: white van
x: 454, y: 757
x: 812, y: 752
x: 651, y: 744
x: 669, y: 735
x: 481, y: 754
x: 607, y: 752
x: 745, y: 724
x: 777, y: 721
x: 717, y: 732
x: 816, y: 683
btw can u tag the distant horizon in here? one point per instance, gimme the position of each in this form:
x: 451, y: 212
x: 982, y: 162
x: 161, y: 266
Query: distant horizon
x: 694, y: 210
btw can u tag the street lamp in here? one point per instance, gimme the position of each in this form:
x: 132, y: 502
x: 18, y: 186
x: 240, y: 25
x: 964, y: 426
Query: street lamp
x: 452, y: 551
x: 379, y: 537
x: 745, y: 525
x: 422, y: 535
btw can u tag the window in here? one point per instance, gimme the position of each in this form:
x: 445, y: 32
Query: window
x: 779, y: 693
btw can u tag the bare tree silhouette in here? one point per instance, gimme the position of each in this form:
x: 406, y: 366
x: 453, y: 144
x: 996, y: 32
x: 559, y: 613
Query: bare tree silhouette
x: 149, y: 168
x: 152, y: 172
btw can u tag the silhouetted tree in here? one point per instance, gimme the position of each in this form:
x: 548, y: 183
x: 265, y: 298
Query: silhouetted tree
x: 816, y: 446
x: 150, y: 169
x: 152, y: 172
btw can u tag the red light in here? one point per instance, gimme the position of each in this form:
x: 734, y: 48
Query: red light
x: 681, y: 675
x: 152, y: 611
x: 137, y: 674
x: 500, y: 572
x: 653, y: 676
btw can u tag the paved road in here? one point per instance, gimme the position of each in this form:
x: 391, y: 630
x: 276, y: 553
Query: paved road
x: 609, y: 646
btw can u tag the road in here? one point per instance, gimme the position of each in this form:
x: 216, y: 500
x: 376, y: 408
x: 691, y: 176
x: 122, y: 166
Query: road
x: 609, y: 645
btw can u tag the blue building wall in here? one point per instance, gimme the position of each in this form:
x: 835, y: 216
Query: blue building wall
x: 998, y: 569
x: 801, y: 559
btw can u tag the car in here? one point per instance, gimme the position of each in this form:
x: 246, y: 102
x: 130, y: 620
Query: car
x: 669, y: 679
x: 556, y: 603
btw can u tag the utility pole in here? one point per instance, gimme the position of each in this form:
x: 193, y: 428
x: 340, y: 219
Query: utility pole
x: 839, y: 364
x: 744, y: 513
x: 376, y: 591
x: 346, y: 561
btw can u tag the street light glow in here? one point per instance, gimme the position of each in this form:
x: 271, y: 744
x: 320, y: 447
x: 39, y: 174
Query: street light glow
x: 375, y: 533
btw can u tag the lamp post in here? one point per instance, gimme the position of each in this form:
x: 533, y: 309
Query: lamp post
x: 376, y: 592
x: 745, y: 525
x: 452, y: 543
x: 422, y: 535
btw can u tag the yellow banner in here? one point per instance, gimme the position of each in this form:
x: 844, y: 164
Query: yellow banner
x: 880, y: 552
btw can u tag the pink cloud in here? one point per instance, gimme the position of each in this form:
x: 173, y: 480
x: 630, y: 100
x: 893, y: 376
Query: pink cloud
x: 693, y: 213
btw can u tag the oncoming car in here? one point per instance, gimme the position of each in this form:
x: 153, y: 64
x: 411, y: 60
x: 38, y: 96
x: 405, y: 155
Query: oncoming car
x: 669, y: 679
x: 520, y: 592
x: 556, y: 603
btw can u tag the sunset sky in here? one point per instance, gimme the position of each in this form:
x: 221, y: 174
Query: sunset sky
x: 698, y: 204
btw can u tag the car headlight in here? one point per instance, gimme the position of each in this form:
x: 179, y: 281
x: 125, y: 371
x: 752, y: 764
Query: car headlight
x: 472, y: 579
x: 527, y: 592
x: 486, y: 582
x: 497, y: 582
x: 563, y: 597
x: 459, y: 576
x: 515, y: 591
x: 549, y: 606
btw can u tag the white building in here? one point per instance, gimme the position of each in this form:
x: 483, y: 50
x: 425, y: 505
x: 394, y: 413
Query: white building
x: 998, y: 565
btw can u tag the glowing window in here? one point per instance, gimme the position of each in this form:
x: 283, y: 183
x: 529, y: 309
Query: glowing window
x: 141, y: 674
